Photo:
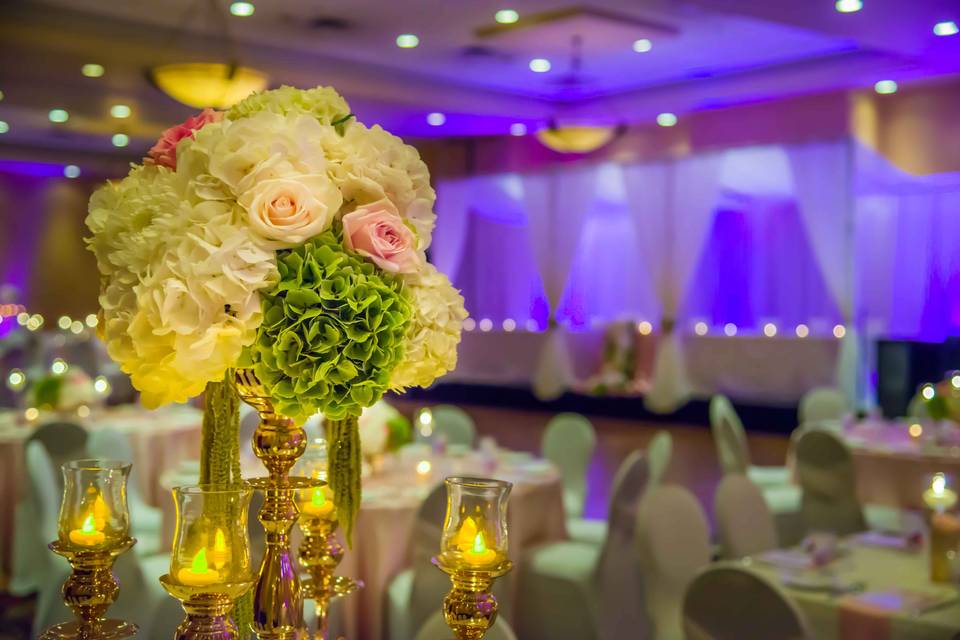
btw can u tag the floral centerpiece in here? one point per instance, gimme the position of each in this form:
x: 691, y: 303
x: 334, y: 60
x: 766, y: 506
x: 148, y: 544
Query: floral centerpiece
x: 285, y: 237
x: 941, y: 400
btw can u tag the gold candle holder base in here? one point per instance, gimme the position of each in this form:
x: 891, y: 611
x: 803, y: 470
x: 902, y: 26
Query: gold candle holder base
x: 470, y: 609
x: 208, y: 614
x: 89, y: 592
x: 277, y: 442
x: 320, y: 555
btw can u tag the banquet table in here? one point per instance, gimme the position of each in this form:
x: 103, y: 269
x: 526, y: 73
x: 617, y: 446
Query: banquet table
x: 834, y: 616
x: 158, y: 438
x: 893, y: 467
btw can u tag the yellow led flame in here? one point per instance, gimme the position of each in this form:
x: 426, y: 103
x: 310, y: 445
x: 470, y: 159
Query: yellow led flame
x: 89, y: 525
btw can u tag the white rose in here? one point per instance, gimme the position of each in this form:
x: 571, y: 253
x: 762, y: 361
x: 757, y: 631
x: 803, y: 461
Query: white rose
x: 291, y: 210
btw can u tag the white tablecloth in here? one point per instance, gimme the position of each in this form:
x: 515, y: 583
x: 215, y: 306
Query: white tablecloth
x: 159, y: 440
x: 879, y: 569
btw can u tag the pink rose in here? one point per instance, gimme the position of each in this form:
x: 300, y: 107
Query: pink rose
x: 377, y: 231
x: 164, y: 152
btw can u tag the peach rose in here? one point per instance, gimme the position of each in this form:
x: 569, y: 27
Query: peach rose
x: 377, y: 231
x: 164, y: 152
x: 291, y: 210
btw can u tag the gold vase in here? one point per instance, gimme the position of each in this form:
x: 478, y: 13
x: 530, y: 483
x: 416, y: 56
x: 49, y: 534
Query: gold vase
x: 89, y: 592
x: 277, y: 442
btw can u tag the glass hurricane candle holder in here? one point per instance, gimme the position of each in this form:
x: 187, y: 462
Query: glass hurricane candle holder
x: 210, y: 561
x: 93, y: 530
x: 321, y: 551
x: 473, y: 552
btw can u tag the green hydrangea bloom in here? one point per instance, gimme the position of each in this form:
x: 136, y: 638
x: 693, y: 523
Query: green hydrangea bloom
x: 323, y: 103
x: 333, y: 330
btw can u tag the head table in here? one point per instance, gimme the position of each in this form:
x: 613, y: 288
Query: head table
x: 392, y: 495
x: 158, y: 440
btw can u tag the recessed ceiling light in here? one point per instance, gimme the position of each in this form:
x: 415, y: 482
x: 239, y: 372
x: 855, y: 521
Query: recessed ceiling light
x: 92, y: 70
x: 518, y: 129
x: 58, y: 115
x: 540, y: 65
x: 242, y: 9
x: 4, y: 127
x: 506, y: 16
x: 120, y: 111
x: 436, y: 119
x: 407, y: 41
x: 120, y: 140
x: 71, y: 171
x: 885, y: 87
x: 947, y: 28
x: 666, y: 119
x: 642, y: 45
x: 848, y: 6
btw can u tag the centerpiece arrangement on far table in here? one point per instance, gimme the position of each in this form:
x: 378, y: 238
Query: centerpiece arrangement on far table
x: 276, y: 250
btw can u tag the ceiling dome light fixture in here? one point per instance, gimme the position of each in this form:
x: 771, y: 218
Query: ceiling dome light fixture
x: 207, y: 84
x: 577, y: 139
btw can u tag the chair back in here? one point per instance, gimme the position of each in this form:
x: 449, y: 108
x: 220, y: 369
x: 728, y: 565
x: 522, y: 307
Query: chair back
x: 744, y: 523
x: 44, y: 492
x: 659, y: 454
x: 568, y: 442
x: 673, y: 544
x: 823, y: 403
x: 827, y: 476
x: 64, y: 441
x: 430, y: 584
x: 618, y: 577
x: 436, y: 629
x: 455, y: 424
x: 728, y: 436
x: 733, y: 603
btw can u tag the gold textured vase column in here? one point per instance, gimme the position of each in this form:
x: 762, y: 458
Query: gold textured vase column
x: 320, y: 554
x: 277, y: 442
x: 469, y: 608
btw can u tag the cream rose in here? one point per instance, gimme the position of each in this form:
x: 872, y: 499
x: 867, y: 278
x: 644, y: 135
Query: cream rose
x: 290, y: 211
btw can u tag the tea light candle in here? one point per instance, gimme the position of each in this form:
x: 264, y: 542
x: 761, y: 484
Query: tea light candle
x: 198, y: 574
x: 938, y: 497
x: 479, y: 555
x: 466, y: 535
x: 219, y: 554
x: 87, y: 535
x: 319, y: 504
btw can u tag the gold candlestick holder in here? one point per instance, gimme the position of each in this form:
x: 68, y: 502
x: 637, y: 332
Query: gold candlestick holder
x: 277, y: 442
x: 473, y: 553
x: 320, y: 551
x: 93, y: 530
x: 208, y: 612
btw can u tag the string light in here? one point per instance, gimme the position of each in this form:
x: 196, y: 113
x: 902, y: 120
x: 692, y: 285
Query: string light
x: 83, y: 411
x: 916, y: 430
x: 644, y: 328
x: 730, y: 329
x: 16, y: 380
x: 64, y: 322
x: 31, y: 414
x: 802, y: 331
x: 59, y: 367
x: 532, y: 325
x: 23, y: 318
x: 928, y: 392
x: 955, y: 380
x: 76, y: 327
x: 839, y: 331
x: 92, y: 320
x: 486, y: 324
x: 101, y: 385
x: 469, y: 324
x: 769, y: 329
x: 509, y: 325
x: 700, y: 328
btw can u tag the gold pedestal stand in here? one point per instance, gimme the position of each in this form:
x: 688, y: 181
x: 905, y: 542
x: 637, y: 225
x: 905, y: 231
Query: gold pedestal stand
x: 470, y: 609
x: 320, y: 554
x: 89, y: 592
x: 277, y: 442
x: 208, y: 614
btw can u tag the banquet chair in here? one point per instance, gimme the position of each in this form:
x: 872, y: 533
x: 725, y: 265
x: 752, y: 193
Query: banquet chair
x: 454, y: 424
x: 568, y: 442
x: 744, y: 523
x: 733, y: 603
x: 145, y: 521
x: 63, y: 441
x: 415, y: 592
x: 673, y: 544
x: 659, y: 455
x: 822, y: 404
x: 828, y: 479
x: 577, y: 591
x: 436, y: 629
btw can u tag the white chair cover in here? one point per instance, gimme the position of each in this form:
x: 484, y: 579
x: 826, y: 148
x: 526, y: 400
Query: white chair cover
x: 729, y: 436
x: 577, y: 591
x: 673, y: 542
x: 744, y: 523
x: 828, y: 479
x: 415, y: 593
x: 823, y: 403
x: 145, y: 521
x: 436, y: 629
x: 63, y: 441
x: 568, y: 442
x: 732, y: 603
x: 455, y: 424
x: 659, y: 454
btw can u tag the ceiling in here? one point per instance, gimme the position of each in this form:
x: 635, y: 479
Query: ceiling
x: 705, y: 53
